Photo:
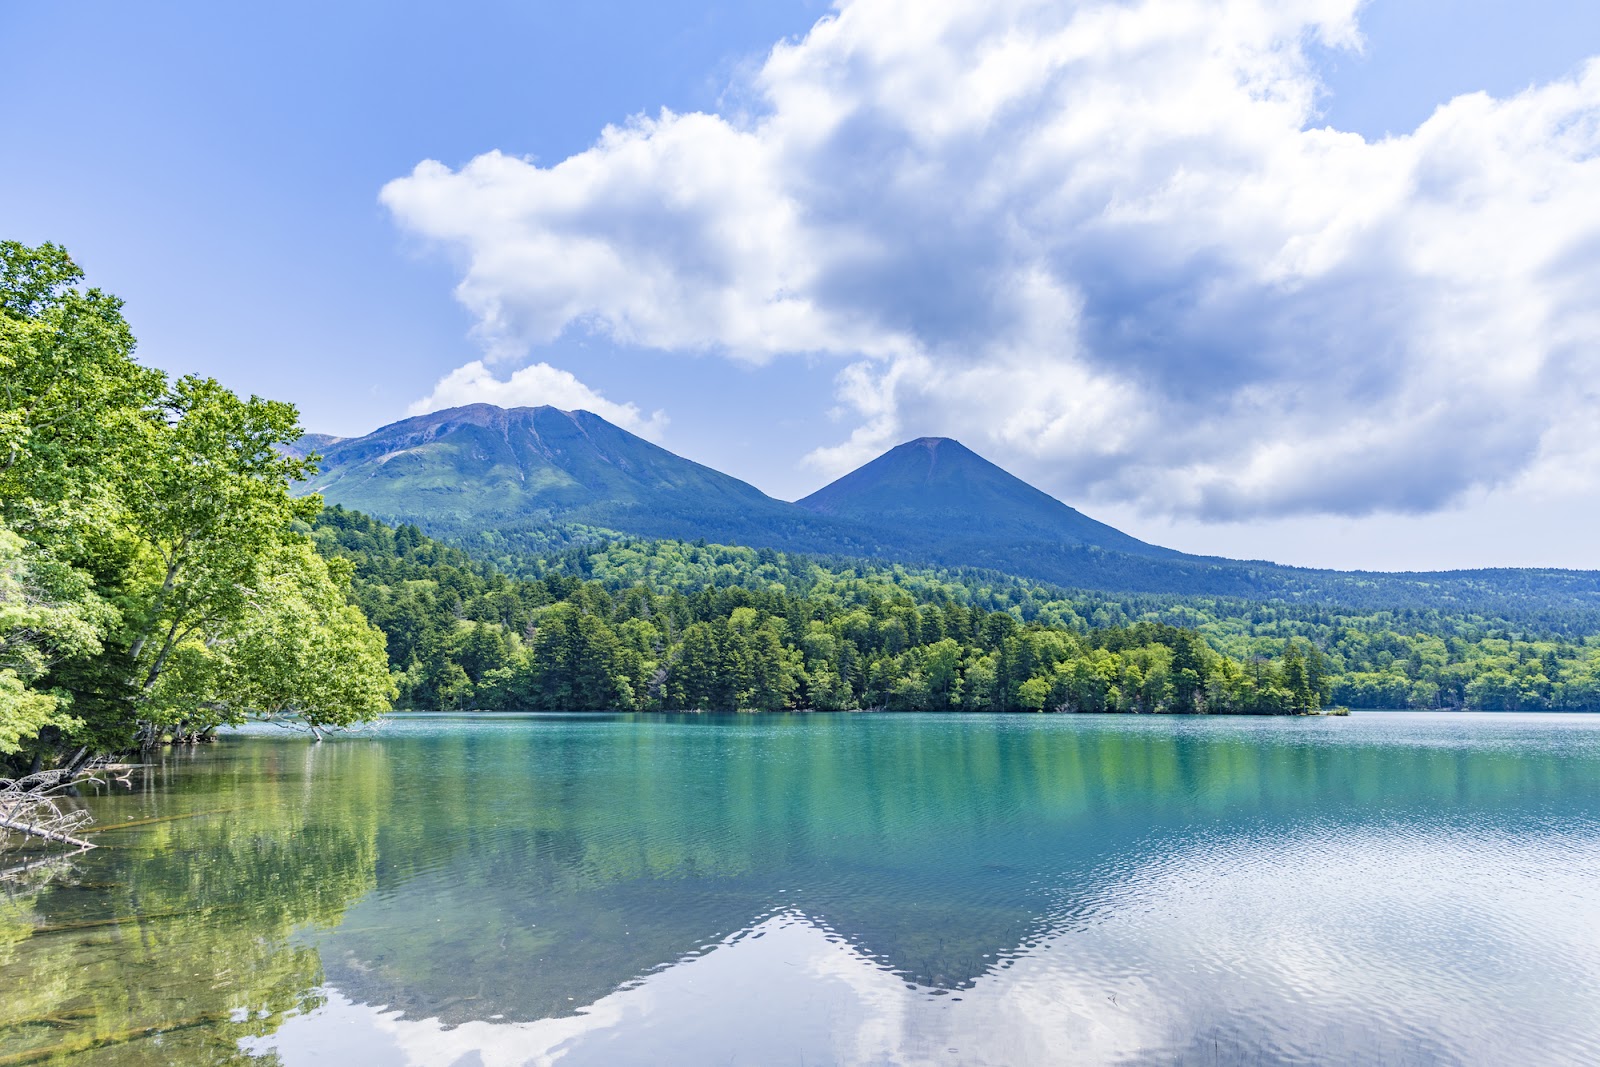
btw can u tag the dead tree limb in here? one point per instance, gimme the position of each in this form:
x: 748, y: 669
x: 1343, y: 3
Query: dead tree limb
x: 28, y: 806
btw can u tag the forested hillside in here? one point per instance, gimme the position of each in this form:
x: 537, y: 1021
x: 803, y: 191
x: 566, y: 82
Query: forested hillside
x: 1541, y: 601
x: 463, y: 635
x: 1388, y: 658
x: 1395, y: 658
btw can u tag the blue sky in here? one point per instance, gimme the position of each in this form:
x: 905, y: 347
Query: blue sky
x: 220, y: 167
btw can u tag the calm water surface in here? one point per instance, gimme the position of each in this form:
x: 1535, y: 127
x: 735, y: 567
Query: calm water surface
x: 1387, y: 888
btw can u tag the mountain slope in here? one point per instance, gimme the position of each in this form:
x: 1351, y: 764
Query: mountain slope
x: 312, y: 442
x: 938, y: 483
x: 464, y: 471
x: 471, y: 468
x: 510, y: 484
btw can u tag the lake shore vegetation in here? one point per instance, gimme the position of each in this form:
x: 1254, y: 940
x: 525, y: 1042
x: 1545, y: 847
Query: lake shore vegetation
x: 463, y: 635
x: 430, y: 598
x: 156, y: 580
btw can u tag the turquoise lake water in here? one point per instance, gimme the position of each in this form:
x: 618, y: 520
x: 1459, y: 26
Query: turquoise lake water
x: 1386, y: 888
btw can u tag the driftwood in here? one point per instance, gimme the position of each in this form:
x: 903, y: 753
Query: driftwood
x: 158, y: 818
x: 31, y: 805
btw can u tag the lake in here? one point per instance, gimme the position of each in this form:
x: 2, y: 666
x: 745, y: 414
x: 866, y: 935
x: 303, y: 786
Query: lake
x: 960, y: 889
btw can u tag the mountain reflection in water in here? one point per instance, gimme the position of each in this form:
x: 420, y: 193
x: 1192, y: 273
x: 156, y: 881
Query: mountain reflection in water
x: 847, y: 888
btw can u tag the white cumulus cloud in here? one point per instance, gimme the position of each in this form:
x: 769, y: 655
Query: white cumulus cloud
x: 534, y: 386
x: 1108, y: 243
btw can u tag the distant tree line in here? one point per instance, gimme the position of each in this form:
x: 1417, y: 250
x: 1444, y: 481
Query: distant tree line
x: 1397, y: 658
x: 1542, y: 600
x: 463, y: 635
x: 1535, y: 658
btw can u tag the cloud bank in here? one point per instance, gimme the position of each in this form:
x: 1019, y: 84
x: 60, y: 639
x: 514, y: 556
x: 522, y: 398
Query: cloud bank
x: 534, y: 386
x: 1107, y: 243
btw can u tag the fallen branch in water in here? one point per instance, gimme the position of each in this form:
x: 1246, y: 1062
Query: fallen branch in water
x: 32, y: 826
x: 48, y: 865
x: 156, y: 819
x: 29, y: 806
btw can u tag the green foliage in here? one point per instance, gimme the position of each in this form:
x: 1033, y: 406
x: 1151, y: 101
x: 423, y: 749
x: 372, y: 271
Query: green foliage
x: 300, y: 650
x: 1225, y: 653
x: 73, y: 402
x: 153, y: 580
x: 1392, y: 657
x: 46, y: 611
x: 464, y: 635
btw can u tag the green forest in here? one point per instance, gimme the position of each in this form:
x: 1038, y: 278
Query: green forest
x: 1394, y: 658
x: 1012, y: 644
x: 462, y: 635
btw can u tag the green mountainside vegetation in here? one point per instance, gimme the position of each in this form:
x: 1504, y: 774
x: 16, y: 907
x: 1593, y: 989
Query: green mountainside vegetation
x: 437, y: 602
x: 1389, y: 658
x: 463, y: 635
x: 155, y: 577
x: 482, y: 467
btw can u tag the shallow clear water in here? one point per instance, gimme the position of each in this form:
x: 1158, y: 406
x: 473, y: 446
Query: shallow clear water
x: 1387, y: 888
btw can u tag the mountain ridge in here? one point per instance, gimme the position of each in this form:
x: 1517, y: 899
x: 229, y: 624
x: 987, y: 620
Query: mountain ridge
x: 509, y: 483
x: 481, y: 465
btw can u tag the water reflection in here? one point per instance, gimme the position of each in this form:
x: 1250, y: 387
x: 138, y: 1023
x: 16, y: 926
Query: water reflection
x: 839, y: 889
x: 1199, y: 962
x: 171, y: 942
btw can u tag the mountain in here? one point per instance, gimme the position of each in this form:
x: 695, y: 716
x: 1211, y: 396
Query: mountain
x: 463, y: 471
x: 509, y: 483
x: 938, y: 483
x: 478, y: 467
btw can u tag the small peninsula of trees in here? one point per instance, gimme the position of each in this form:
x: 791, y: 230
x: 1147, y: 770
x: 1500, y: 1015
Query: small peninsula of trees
x: 155, y: 577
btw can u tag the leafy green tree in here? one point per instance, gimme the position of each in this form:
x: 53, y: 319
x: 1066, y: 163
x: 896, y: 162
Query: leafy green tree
x: 46, y: 612
x: 942, y: 665
x: 1190, y: 666
x: 163, y: 582
x: 207, y: 507
x: 771, y: 671
x: 1033, y: 694
x: 573, y: 663
x: 73, y: 403
x: 302, y: 652
x: 484, y: 648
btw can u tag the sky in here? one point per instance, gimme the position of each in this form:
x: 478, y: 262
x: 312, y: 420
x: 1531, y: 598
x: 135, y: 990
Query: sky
x: 1304, y: 280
